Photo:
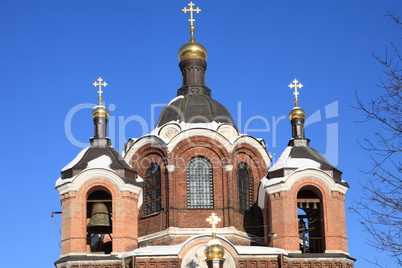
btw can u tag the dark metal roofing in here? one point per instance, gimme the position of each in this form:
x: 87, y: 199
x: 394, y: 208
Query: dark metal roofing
x: 306, y: 152
x: 195, y: 108
x: 118, y: 164
x: 310, y: 153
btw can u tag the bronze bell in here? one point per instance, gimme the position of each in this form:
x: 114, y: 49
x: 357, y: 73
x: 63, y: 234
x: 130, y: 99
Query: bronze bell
x: 100, y: 220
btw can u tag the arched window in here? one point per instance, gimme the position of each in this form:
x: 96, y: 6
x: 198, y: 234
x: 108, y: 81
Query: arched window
x: 152, y: 185
x: 244, y: 187
x: 199, y: 184
x: 310, y: 221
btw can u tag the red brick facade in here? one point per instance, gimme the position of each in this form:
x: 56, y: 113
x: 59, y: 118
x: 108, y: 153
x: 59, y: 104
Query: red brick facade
x: 281, y: 215
x: 75, y: 218
x: 177, y: 224
x: 174, y: 184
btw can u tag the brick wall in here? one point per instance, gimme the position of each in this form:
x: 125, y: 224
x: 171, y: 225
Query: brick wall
x: 75, y: 220
x: 174, y: 184
x: 282, y: 214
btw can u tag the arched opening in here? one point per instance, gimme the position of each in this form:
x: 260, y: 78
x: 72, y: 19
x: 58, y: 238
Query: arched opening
x: 199, y: 184
x: 244, y: 190
x: 310, y: 220
x: 99, y: 221
x: 152, y: 189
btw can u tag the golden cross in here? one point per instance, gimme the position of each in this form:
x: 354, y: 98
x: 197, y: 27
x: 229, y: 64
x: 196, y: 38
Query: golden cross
x: 100, y: 84
x: 213, y: 220
x: 296, y: 85
x: 191, y: 10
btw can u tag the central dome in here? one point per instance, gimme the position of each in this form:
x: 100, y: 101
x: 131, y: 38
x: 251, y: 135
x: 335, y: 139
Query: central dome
x: 194, y: 103
x: 195, y: 108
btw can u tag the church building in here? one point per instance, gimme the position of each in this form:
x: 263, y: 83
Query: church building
x: 197, y: 193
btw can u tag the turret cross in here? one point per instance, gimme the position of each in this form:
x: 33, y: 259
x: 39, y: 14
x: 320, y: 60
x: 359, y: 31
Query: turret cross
x: 213, y: 220
x: 100, y: 84
x: 191, y: 10
x: 296, y: 85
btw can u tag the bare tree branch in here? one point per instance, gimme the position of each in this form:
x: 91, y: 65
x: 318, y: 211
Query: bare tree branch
x: 380, y: 208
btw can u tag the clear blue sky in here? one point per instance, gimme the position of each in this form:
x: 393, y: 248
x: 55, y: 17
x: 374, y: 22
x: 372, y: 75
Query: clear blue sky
x: 52, y: 51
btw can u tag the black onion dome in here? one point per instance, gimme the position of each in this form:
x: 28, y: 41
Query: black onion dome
x: 195, y: 108
x: 194, y: 103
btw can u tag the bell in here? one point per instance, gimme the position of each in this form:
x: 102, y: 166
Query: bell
x: 100, y: 220
x: 307, y: 205
x: 315, y: 206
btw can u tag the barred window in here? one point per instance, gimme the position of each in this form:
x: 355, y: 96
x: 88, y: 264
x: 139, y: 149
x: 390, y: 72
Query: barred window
x: 199, y: 184
x: 152, y: 185
x: 244, y: 187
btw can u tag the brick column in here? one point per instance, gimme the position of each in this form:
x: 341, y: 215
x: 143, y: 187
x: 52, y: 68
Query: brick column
x: 73, y: 237
x: 335, y: 224
x: 125, y: 222
x: 228, y: 212
x: 172, y: 195
x: 284, y: 221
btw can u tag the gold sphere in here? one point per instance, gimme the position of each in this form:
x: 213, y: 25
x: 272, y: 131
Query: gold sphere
x: 214, y: 252
x: 297, y: 112
x: 100, y: 111
x: 193, y: 51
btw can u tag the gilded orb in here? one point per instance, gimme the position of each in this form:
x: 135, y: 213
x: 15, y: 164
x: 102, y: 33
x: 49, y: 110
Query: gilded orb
x: 100, y: 111
x: 214, y: 252
x: 193, y: 51
x: 297, y: 112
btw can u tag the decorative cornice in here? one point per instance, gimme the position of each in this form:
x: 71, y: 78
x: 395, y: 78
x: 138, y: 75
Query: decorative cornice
x: 201, y: 90
x: 96, y: 173
x: 287, y: 183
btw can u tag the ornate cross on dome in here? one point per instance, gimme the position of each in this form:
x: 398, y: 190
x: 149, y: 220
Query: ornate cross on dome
x: 213, y: 220
x: 296, y: 85
x: 100, y: 84
x: 191, y: 10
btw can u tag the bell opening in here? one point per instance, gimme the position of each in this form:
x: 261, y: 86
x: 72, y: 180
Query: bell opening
x: 99, y: 213
x: 99, y: 222
x: 310, y: 221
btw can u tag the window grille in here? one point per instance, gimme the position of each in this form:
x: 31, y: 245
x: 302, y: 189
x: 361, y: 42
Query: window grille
x: 152, y: 197
x: 199, y: 184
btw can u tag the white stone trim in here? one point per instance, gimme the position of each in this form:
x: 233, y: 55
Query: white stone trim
x: 337, y: 251
x: 170, y: 168
x: 178, y: 248
x: 256, y: 144
x: 293, y: 251
x: 211, y: 134
x: 138, y: 143
x: 228, y: 168
x: 96, y: 173
x: 285, y: 184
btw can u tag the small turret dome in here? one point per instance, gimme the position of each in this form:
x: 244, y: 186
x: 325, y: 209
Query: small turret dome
x: 192, y: 50
x: 100, y: 111
x: 214, y: 251
x: 297, y: 112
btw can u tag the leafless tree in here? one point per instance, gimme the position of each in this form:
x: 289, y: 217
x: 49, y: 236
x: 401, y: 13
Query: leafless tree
x: 381, y: 206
